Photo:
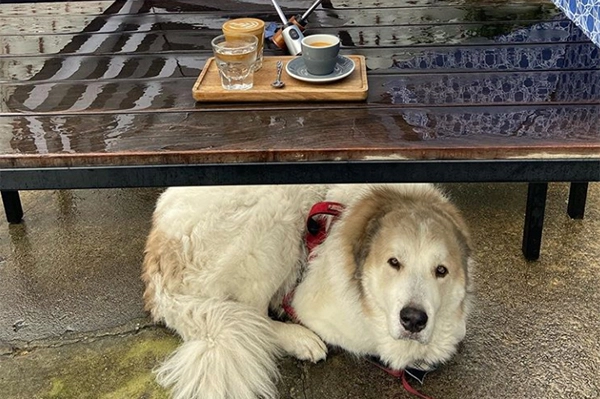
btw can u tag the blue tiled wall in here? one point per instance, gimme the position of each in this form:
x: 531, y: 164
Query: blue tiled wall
x: 585, y: 13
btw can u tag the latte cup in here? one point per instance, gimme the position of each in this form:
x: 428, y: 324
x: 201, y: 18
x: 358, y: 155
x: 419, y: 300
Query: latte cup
x: 247, y: 26
x: 320, y: 53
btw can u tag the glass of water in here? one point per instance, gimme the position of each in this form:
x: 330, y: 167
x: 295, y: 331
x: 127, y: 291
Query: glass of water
x: 235, y: 58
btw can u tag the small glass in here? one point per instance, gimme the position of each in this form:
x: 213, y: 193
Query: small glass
x: 235, y: 58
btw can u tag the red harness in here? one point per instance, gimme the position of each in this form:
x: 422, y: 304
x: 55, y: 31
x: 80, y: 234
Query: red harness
x: 317, y: 228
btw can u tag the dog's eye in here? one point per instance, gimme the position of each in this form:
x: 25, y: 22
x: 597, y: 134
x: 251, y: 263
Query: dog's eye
x: 441, y: 271
x: 395, y: 263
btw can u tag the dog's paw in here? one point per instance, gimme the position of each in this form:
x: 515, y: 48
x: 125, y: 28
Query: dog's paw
x: 300, y: 342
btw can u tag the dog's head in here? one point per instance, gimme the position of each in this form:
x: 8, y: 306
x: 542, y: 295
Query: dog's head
x: 411, y: 255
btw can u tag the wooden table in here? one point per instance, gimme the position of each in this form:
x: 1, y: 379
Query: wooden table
x: 459, y: 91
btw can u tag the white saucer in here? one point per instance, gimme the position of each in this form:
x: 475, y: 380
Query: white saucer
x: 297, y: 70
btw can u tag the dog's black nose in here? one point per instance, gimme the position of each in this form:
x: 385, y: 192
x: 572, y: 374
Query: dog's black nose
x: 413, y: 319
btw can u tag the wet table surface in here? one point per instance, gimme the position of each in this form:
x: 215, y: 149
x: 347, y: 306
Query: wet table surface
x: 110, y: 84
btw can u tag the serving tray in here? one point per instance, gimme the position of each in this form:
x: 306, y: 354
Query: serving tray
x: 352, y: 88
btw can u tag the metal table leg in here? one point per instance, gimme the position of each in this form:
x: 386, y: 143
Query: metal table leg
x: 577, y: 199
x: 12, y: 206
x: 534, y: 220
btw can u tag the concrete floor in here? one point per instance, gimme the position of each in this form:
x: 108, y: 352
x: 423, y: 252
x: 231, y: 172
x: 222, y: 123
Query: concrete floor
x: 72, y: 324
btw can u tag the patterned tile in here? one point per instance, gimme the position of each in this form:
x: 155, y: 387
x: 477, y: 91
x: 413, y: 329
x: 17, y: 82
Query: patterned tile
x: 535, y: 87
x: 548, y: 62
x: 559, y: 122
x: 530, y: 57
x: 585, y: 13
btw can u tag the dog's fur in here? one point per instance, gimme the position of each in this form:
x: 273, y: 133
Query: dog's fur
x: 218, y: 258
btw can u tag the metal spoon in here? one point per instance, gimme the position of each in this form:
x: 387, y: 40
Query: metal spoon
x: 278, y: 84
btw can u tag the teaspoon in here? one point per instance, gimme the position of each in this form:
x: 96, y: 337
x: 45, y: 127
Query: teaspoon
x: 278, y: 84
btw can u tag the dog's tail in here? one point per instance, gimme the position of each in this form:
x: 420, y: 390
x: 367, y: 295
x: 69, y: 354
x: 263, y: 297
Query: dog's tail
x: 229, y: 351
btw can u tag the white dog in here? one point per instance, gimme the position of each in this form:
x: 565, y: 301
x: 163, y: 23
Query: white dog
x: 390, y: 280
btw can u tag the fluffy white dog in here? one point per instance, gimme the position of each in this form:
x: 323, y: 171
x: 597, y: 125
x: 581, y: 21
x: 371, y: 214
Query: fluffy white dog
x: 390, y: 280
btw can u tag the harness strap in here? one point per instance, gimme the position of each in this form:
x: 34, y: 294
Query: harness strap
x: 409, y: 388
x: 316, y: 232
x: 402, y: 375
x: 318, y: 227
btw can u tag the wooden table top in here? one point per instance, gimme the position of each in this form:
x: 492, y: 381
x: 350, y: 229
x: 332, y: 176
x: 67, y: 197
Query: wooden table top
x: 110, y: 84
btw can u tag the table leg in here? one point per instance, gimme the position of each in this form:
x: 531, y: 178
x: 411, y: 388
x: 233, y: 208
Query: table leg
x: 12, y: 206
x: 534, y: 220
x: 577, y: 199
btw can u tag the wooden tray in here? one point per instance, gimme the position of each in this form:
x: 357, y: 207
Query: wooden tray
x: 352, y: 88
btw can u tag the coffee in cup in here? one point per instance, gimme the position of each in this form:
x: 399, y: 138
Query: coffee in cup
x: 320, y: 44
x: 251, y: 26
x: 320, y: 53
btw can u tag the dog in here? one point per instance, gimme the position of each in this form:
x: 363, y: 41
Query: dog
x: 391, y: 280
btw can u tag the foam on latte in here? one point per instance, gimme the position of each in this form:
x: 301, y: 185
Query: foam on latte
x: 243, y: 25
x: 251, y: 26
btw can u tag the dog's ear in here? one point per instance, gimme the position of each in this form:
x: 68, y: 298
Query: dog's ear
x: 361, y: 225
x: 362, y: 245
x: 461, y: 228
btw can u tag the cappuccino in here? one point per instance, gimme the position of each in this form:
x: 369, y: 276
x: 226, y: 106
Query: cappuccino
x: 250, y: 26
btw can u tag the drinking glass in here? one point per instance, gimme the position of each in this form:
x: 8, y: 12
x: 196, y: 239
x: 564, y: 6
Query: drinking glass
x: 235, y: 58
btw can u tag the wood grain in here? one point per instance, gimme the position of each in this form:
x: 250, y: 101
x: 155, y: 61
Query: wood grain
x: 297, y: 134
x: 118, y: 92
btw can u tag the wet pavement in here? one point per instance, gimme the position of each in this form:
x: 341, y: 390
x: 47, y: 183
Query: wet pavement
x: 72, y: 323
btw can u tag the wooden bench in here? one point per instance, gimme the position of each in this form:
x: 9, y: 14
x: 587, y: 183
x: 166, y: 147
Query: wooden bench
x: 458, y: 92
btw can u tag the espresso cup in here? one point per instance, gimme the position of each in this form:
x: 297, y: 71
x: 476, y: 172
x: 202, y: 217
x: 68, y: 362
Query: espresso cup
x: 320, y: 53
